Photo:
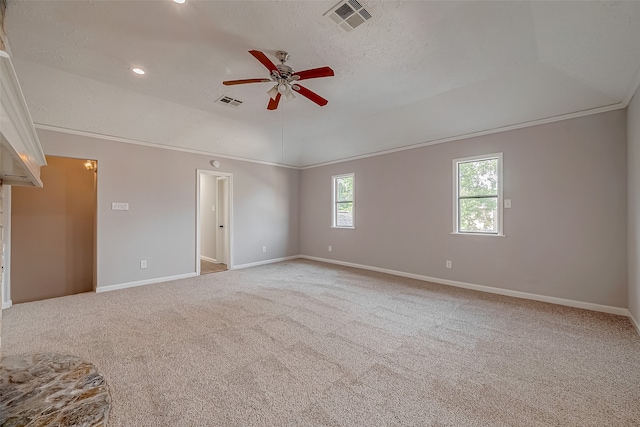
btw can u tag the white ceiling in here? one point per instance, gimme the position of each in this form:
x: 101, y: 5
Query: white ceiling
x: 417, y: 72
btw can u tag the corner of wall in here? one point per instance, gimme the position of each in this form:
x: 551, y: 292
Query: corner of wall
x: 635, y: 323
x: 633, y: 208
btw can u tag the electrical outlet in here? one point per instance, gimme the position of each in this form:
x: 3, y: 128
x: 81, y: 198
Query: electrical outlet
x: 448, y: 263
x: 119, y: 206
x: 143, y: 263
x: 330, y: 248
x: 264, y: 249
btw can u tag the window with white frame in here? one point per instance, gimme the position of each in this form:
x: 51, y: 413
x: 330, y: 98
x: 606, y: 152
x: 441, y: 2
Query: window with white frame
x: 478, y: 195
x: 343, y: 201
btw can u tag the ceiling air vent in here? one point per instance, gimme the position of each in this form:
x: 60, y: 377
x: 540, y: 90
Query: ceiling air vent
x: 348, y: 14
x: 227, y: 100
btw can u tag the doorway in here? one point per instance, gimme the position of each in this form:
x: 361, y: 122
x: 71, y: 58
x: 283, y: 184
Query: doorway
x: 214, y: 228
x: 53, y: 239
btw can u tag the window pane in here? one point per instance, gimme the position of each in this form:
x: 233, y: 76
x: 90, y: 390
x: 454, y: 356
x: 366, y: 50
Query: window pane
x: 345, y: 189
x: 478, y: 178
x: 344, y: 214
x: 479, y: 215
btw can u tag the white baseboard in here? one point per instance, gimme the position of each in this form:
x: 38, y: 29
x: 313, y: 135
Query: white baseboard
x: 6, y: 304
x: 268, y: 261
x: 108, y: 288
x: 507, y: 292
x: 206, y: 258
x: 635, y: 323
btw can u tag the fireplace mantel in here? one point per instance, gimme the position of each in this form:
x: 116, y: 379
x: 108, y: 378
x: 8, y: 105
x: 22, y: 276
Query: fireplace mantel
x: 21, y: 155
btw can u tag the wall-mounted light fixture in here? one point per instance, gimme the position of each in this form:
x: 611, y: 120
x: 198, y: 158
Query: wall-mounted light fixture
x: 91, y: 165
x: 215, y: 163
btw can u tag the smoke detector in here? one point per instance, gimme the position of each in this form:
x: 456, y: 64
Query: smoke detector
x: 348, y: 14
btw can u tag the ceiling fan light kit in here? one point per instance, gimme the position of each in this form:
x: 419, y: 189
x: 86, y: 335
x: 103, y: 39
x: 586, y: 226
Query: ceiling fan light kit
x: 285, y: 79
x: 289, y: 95
x: 273, y: 92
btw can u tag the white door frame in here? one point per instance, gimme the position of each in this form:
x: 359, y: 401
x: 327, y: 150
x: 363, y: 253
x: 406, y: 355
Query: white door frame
x: 199, y: 173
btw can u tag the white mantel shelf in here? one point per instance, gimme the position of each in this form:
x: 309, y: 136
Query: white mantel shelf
x: 21, y: 155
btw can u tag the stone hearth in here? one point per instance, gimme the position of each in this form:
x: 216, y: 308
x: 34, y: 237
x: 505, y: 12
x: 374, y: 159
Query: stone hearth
x: 52, y: 389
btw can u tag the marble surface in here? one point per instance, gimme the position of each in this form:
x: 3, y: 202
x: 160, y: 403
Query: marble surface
x: 52, y: 390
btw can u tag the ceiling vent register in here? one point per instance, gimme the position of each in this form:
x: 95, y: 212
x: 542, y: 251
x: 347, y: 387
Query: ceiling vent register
x: 227, y: 100
x: 348, y: 14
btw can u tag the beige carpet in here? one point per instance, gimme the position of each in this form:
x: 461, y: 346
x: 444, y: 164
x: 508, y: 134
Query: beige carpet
x: 305, y: 344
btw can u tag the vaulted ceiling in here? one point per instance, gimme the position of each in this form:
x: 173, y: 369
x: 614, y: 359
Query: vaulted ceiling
x: 416, y: 72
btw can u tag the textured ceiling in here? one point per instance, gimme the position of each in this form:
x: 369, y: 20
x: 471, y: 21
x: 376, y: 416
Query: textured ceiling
x: 416, y: 72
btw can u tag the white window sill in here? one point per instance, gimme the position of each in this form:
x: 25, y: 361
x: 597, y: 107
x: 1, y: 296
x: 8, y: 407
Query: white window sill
x: 479, y: 234
x: 343, y: 228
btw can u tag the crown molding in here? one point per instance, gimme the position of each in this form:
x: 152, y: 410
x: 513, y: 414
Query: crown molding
x: 156, y: 145
x: 522, y: 125
x: 577, y: 114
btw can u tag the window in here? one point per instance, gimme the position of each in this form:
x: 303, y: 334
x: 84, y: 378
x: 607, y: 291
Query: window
x: 478, y: 195
x: 343, y: 205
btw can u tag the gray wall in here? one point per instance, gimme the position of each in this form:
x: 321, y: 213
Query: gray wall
x: 208, y: 227
x: 160, y: 187
x: 565, y: 234
x: 633, y: 159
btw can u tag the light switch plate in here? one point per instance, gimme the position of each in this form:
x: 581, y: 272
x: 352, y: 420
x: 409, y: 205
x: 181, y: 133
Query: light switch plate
x: 507, y: 203
x: 119, y: 206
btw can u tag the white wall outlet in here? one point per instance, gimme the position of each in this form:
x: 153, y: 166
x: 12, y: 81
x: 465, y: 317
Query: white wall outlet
x: 213, y: 208
x: 330, y: 248
x: 448, y: 263
x: 143, y: 263
x: 119, y: 206
x: 264, y: 249
x: 507, y: 203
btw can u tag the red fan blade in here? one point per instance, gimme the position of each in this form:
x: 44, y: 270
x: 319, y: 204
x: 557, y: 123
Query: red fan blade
x: 314, y: 73
x: 264, y: 60
x: 241, y: 82
x: 309, y: 94
x: 273, y: 103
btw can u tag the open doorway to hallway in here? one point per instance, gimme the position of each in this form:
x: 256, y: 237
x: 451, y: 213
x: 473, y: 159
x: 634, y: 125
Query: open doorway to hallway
x: 53, y: 232
x: 214, y: 222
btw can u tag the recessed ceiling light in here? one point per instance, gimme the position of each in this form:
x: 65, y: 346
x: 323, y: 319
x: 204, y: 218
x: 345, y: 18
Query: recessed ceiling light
x: 138, y: 71
x: 179, y: 1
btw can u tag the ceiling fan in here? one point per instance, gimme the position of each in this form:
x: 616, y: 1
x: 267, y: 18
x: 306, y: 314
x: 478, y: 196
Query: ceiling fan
x: 286, y: 79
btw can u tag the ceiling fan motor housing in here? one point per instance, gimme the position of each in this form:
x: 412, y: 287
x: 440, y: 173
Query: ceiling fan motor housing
x: 282, y: 56
x: 285, y: 71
